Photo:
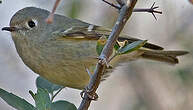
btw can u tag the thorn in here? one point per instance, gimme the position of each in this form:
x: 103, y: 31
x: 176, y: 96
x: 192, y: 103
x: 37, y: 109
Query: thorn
x: 154, y: 16
x: 153, y: 5
x: 87, y: 70
x: 153, y: 11
x: 150, y: 10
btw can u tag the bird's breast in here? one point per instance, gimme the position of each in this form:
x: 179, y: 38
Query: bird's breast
x: 61, y: 62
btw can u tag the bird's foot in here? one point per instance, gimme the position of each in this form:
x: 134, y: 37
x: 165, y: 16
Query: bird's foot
x: 89, y: 93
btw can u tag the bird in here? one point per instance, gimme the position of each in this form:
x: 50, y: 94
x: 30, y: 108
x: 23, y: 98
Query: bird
x: 62, y: 51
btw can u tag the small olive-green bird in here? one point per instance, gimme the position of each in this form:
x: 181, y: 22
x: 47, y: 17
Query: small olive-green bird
x: 62, y: 51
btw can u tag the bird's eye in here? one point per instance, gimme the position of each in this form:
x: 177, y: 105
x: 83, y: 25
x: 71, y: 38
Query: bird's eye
x: 32, y: 23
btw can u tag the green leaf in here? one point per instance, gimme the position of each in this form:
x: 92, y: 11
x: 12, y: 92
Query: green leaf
x: 42, y: 99
x: 63, y: 105
x: 45, y: 84
x: 15, y: 101
x: 131, y: 47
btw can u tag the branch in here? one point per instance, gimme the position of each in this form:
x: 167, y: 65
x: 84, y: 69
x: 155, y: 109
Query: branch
x: 149, y: 10
x: 125, y: 13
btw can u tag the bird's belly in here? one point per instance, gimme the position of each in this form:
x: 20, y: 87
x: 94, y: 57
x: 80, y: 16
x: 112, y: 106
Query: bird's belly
x: 65, y: 64
x: 70, y: 74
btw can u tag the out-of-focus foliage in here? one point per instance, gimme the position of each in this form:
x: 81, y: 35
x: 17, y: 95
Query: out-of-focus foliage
x: 191, y: 1
x: 186, y: 74
x: 42, y: 98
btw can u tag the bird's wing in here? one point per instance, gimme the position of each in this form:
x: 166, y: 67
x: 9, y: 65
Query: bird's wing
x: 93, y: 32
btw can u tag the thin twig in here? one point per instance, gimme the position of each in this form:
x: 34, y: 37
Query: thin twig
x: 111, y: 4
x: 56, y: 94
x: 50, y: 18
x: 124, y: 15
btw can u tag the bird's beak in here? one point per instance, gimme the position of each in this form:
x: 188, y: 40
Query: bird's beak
x: 10, y: 29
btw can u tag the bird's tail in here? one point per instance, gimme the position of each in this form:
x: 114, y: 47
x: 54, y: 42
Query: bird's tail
x: 156, y: 55
x: 163, y: 56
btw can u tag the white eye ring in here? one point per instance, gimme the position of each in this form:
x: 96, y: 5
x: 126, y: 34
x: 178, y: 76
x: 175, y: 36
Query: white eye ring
x: 32, y: 23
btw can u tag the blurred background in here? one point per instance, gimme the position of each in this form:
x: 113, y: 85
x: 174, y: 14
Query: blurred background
x: 136, y: 85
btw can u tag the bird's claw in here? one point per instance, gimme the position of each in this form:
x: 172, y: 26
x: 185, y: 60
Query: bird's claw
x: 103, y: 61
x: 91, y: 96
